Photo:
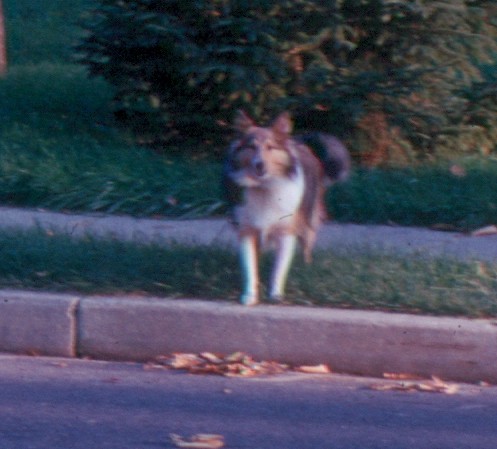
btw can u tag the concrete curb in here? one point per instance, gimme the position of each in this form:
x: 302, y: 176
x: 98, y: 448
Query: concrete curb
x: 41, y: 323
x: 355, y: 342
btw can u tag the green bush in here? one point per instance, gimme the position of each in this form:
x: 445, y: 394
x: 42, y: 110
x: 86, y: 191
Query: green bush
x: 180, y: 67
x: 391, y: 76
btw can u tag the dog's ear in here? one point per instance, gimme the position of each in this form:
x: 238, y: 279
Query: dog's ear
x: 242, y: 121
x: 283, y: 125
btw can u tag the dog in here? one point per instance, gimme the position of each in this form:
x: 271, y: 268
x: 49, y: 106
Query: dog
x: 274, y: 184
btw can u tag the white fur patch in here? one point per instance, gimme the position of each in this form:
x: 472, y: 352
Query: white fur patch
x: 275, y: 202
x: 283, y: 260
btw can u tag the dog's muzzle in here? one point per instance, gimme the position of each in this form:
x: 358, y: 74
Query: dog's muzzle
x: 259, y: 168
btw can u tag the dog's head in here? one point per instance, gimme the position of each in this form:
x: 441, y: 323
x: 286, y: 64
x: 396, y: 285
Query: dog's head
x: 260, y: 154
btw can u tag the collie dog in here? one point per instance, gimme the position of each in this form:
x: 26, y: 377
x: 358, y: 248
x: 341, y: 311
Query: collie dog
x: 275, y: 185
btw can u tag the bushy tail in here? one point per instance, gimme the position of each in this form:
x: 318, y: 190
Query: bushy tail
x: 332, y: 154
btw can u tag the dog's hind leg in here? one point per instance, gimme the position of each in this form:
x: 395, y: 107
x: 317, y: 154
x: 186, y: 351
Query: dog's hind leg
x: 250, y: 271
x: 308, y: 241
x: 284, y: 256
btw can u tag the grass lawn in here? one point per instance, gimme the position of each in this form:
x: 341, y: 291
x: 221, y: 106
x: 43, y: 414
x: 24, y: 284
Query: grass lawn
x: 421, y: 196
x: 358, y: 279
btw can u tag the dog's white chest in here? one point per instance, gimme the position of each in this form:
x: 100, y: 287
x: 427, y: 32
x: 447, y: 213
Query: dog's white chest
x: 276, y: 203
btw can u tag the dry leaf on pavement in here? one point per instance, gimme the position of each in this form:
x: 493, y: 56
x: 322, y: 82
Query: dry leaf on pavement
x: 485, y: 231
x: 198, y: 441
x: 212, y: 358
x: 316, y: 369
x: 435, y: 385
x: 180, y: 360
x: 401, y: 376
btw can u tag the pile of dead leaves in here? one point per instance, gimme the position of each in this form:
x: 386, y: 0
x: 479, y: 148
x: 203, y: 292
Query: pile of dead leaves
x: 238, y: 364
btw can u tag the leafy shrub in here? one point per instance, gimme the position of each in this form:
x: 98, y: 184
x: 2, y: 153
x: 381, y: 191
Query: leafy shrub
x: 182, y: 67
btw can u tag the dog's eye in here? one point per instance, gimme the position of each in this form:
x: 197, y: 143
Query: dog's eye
x: 244, y: 147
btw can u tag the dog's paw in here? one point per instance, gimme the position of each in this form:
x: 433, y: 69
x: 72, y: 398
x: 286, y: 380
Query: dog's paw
x: 249, y: 299
x: 276, y: 299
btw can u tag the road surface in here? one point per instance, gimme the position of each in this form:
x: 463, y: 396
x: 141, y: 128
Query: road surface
x: 48, y: 403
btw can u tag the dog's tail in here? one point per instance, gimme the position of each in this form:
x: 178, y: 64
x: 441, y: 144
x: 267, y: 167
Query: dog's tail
x: 331, y: 152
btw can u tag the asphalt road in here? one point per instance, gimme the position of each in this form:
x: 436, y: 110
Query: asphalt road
x: 48, y: 403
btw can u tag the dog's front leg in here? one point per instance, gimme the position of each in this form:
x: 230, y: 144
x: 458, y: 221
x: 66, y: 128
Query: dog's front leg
x: 250, y: 270
x: 284, y: 256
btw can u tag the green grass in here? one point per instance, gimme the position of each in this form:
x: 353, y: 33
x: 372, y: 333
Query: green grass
x: 355, y: 280
x: 43, y: 30
x: 83, y: 173
x: 423, y: 196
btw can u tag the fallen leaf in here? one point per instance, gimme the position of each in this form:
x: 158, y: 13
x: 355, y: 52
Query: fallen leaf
x: 150, y: 366
x: 111, y: 380
x: 458, y: 170
x: 443, y: 387
x: 316, y: 369
x: 180, y: 360
x: 171, y: 201
x: 401, y: 376
x: 60, y: 364
x: 435, y: 385
x: 198, y: 441
x: 211, y: 358
x: 486, y: 230
x: 444, y: 227
x: 238, y: 356
x: 321, y: 107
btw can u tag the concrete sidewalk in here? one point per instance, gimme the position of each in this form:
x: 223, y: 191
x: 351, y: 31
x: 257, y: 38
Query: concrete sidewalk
x: 356, y: 342
x: 332, y: 236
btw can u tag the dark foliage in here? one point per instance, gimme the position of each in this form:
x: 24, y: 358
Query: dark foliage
x: 390, y: 76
